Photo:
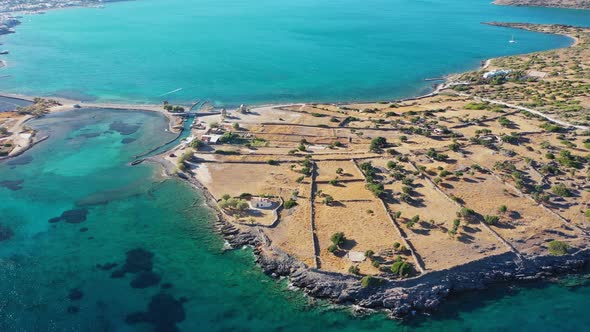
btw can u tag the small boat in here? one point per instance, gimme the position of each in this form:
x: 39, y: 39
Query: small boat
x: 512, y: 41
x: 3, y: 52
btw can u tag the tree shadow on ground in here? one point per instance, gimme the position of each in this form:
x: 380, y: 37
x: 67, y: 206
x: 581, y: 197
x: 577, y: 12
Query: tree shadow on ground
x: 465, y: 238
x: 348, y: 244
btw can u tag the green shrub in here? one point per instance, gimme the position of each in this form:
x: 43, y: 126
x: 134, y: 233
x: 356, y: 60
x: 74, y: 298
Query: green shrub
x: 332, y: 248
x: 290, y: 203
x: 401, y: 268
x: 405, y: 198
x: 377, y: 144
x: 369, y: 281
x: 454, y: 146
x: 376, y: 188
x: 453, y: 231
x: 467, y: 214
x: 354, y: 269
x: 491, y: 220
x: 436, y: 156
x: 197, y: 144
x: 476, y: 106
x: 552, y: 128
x: 567, y: 159
x: 337, y: 238
x: 407, y: 189
x: 561, y: 190
x: 227, y: 152
x: 558, y: 248
x: 444, y: 173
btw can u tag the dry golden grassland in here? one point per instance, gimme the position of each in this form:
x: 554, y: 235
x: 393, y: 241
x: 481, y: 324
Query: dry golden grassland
x: 451, y: 177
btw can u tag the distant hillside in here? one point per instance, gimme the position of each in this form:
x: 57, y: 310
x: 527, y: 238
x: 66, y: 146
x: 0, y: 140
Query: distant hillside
x: 579, y: 4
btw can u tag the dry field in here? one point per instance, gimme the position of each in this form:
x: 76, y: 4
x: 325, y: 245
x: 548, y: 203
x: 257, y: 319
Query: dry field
x: 438, y: 181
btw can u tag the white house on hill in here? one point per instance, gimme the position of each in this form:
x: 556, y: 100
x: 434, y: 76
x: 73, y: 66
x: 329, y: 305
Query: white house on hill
x: 260, y: 203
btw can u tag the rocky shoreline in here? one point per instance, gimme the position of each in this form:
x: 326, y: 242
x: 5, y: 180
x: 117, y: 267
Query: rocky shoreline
x: 398, y: 298
x: 573, y: 4
x: 404, y: 297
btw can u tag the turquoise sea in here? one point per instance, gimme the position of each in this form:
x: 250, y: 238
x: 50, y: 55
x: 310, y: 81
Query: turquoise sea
x: 71, y: 207
x: 263, y: 51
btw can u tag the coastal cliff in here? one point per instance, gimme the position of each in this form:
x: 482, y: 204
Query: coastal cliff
x: 574, y: 4
x: 400, y: 298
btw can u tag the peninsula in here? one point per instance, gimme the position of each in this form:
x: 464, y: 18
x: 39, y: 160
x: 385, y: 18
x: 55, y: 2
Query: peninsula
x: 394, y: 205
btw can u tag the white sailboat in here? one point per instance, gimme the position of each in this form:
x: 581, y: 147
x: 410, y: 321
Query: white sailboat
x: 512, y: 40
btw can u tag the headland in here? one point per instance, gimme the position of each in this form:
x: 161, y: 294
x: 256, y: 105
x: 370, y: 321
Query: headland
x: 394, y: 205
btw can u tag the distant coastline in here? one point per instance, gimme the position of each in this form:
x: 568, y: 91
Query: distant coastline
x: 572, y: 4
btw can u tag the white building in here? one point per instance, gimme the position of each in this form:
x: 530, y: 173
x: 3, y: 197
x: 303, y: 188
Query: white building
x: 211, y: 139
x: 260, y: 203
x: 498, y: 72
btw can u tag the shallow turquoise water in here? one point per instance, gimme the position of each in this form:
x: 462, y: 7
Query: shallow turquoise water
x: 243, y: 51
x: 131, y: 207
x: 236, y: 51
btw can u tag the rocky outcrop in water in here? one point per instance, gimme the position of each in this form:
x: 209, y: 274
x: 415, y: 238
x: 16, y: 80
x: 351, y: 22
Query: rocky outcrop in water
x: 164, y: 311
x: 138, y: 260
x: 5, y: 233
x: 13, y: 185
x: 123, y: 128
x: 7, y: 23
x: 74, y: 216
x: 145, y: 280
x: 75, y: 294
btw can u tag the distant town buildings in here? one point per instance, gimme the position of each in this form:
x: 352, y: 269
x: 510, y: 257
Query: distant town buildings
x: 10, y: 8
x: 27, y: 6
